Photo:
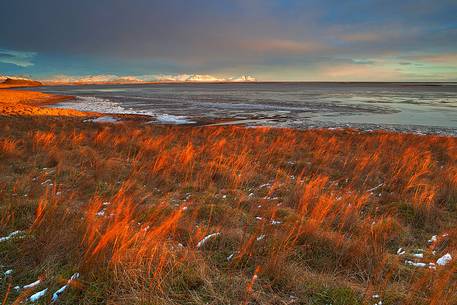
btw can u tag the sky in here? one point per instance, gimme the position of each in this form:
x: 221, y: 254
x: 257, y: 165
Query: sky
x: 271, y: 40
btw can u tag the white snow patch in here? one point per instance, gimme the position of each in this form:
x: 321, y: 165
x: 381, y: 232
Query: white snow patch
x: 206, y: 238
x: 31, y: 285
x: 8, y: 272
x: 261, y: 237
x: 55, y: 295
x: 173, y: 119
x: 419, y: 264
x: 433, y: 239
x: 103, y: 119
x: 35, y: 297
x: 400, y: 251
x: 11, y: 235
x: 444, y: 260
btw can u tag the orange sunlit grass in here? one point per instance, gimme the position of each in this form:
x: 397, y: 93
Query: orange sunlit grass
x: 180, y: 215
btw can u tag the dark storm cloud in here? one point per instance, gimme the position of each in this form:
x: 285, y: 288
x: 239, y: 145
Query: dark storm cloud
x: 212, y: 35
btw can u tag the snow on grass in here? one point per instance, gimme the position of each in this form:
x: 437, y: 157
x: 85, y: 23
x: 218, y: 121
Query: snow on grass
x: 444, y: 260
x: 10, y: 236
x: 376, y: 297
x: 32, y: 285
x: 55, y: 295
x: 261, y: 237
x: 420, y: 264
x: 103, y: 210
x: 35, y: 297
x: 173, y: 119
x: 8, y: 272
x: 433, y: 239
x: 206, y: 238
x: 416, y: 264
x: 400, y: 251
x: 103, y: 119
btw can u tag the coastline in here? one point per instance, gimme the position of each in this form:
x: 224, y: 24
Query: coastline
x: 22, y: 103
x: 30, y: 103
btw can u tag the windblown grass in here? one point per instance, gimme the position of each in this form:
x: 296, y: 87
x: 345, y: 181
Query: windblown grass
x: 225, y: 215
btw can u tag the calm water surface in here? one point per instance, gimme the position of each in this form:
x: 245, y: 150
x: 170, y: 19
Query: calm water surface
x: 411, y: 107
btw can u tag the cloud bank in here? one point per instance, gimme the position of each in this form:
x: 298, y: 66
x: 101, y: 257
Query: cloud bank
x: 271, y: 39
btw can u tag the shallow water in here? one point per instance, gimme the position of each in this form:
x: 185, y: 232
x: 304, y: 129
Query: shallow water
x: 411, y: 107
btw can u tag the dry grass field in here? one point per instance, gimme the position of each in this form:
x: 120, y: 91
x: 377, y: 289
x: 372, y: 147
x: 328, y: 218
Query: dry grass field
x: 130, y: 213
x: 27, y: 103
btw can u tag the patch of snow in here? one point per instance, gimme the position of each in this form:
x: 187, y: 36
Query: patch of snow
x: 418, y: 255
x: 400, y: 251
x: 419, y: 264
x: 8, y: 272
x: 103, y: 119
x: 433, y: 239
x: 31, y: 285
x: 444, y: 260
x: 173, y: 119
x: 11, y: 235
x: 261, y: 237
x: 55, y: 295
x: 206, y: 238
x: 35, y: 297
x: 275, y: 222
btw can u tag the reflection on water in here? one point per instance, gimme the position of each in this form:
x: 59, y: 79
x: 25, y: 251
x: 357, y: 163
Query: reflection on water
x: 363, y: 105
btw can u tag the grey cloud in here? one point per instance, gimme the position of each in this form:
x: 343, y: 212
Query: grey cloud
x: 21, y: 59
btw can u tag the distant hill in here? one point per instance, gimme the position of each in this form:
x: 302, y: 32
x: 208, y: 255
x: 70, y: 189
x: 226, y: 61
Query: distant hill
x: 18, y: 82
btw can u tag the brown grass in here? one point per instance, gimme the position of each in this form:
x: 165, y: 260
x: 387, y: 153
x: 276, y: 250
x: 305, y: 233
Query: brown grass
x: 28, y: 103
x: 305, y: 217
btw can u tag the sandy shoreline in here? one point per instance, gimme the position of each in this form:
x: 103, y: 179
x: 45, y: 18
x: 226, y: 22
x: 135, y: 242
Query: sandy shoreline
x: 28, y: 103
x: 32, y: 103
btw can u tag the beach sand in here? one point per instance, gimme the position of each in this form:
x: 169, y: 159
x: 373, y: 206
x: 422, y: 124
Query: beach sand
x: 28, y: 103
